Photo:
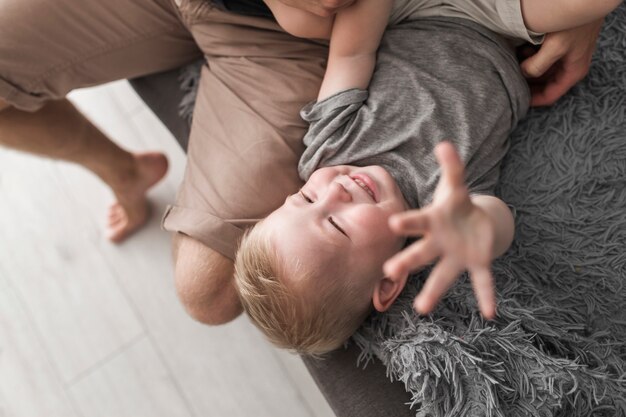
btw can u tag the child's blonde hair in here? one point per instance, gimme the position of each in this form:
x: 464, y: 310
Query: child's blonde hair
x: 303, y: 314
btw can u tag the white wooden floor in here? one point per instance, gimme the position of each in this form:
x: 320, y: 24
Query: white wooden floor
x: 92, y: 329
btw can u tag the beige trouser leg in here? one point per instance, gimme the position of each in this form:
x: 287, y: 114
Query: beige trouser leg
x: 48, y: 49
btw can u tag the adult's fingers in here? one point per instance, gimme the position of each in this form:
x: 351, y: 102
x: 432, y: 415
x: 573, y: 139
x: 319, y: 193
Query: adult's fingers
x: 482, y: 282
x: 549, y: 53
x: 452, y: 171
x: 440, y: 280
x: 418, y: 255
x: 525, y: 51
x: 546, y: 77
x: 555, y: 88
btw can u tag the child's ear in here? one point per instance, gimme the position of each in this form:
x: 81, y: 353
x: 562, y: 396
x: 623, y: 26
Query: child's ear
x: 386, y: 291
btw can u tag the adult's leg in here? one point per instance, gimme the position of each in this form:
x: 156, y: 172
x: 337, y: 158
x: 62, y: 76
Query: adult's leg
x: 204, y: 282
x: 50, y: 48
x: 58, y: 130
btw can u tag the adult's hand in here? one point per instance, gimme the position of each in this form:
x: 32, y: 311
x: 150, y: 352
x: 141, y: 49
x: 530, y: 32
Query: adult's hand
x: 322, y: 8
x: 562, y: 61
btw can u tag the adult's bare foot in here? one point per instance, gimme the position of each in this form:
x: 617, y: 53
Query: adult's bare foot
x: 132, y: 210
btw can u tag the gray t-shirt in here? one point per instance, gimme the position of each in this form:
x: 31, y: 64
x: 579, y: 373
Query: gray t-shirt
x: 435, y: 79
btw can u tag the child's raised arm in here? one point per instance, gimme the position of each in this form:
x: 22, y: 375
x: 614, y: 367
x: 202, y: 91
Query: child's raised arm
x: 463, y: 232
x: 355, y: 37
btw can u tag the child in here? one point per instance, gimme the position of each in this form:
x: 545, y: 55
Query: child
x: 311, y: 271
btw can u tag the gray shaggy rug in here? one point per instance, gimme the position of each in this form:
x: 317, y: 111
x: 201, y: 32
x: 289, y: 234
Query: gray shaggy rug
x: 558, y: 346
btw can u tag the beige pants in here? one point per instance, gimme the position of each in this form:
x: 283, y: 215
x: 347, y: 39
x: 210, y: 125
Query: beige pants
x: 246, y: 137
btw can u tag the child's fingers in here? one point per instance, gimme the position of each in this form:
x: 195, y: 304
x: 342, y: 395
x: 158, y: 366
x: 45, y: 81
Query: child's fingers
x: 440, y: 280
x: 482, y: 282
x: 419, y: 254
x: 452, y: 171
x: 410, y: 223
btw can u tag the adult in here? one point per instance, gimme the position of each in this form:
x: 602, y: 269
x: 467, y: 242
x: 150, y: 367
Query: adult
x: 246, y: 135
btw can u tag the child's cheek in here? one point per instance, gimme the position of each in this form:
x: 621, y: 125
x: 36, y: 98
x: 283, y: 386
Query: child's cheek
x: 374, y: 220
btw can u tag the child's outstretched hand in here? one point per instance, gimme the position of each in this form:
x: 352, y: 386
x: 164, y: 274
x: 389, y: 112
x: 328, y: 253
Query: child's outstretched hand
x: 453, y: 229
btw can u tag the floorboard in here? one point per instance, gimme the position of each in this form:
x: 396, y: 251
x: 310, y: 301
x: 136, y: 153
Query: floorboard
x: 29, y: 382
x: 88, y: 328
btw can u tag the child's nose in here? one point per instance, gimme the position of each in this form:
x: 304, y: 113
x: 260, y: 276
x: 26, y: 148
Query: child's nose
x: 338, y: 192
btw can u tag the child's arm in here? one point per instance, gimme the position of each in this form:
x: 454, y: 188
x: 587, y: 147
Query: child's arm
x: 546, y: 16
x: 355, y: 37
x: 463, y: 232
x: 300, y: 23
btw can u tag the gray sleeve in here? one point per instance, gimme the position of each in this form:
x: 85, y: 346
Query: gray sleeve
x: 329, y: 125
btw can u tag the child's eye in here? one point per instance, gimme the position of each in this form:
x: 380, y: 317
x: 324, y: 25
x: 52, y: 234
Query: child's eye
x: 307, y: 199
x: 336, y: 226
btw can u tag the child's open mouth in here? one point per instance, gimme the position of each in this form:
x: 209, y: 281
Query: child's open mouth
x: 366, y: 184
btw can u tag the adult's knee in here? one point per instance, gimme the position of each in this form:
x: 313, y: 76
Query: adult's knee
x: 204, y: 282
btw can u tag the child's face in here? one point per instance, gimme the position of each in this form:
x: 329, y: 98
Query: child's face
x: 339, y: 219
